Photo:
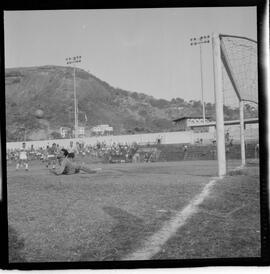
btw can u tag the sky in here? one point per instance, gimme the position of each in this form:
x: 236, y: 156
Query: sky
x: 142, y: 50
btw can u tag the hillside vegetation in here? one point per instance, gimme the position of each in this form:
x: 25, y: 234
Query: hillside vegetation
x: 50, y: 88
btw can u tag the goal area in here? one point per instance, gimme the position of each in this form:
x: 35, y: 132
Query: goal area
x: 235, y: 65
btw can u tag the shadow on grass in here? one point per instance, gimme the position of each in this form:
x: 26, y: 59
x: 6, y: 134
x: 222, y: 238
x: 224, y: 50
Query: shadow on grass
x: 15, y: 246
x: 126, y: 235
x: 119, y: 240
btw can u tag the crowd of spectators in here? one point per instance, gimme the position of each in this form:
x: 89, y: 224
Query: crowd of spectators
x: 109, y: 152
x: 115, y: 152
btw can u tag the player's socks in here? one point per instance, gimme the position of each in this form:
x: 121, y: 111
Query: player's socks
x: 26, y: 167
x: 17, y: 166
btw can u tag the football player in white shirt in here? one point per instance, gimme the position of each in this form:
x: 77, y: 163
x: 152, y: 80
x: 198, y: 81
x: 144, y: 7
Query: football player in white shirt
x: 72, y: 150
x: 23, y: 158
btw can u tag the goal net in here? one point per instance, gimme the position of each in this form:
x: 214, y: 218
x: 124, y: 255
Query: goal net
x: 239, y: 58
x: 236, y: 92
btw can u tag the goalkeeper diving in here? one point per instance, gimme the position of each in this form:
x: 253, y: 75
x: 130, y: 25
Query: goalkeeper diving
x: 69, y: 167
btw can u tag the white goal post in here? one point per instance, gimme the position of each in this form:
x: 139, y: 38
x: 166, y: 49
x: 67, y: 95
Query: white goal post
x: 238, y: 55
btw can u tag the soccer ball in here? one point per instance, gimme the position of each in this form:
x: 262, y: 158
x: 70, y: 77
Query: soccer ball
x: 39, y: 113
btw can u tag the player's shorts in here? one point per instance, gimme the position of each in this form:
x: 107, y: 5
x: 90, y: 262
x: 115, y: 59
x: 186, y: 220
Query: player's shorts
x: 71, y: 155
x: 51, y: 157
x: 23, y: 157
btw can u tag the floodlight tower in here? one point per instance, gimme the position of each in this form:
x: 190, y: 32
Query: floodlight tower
x: 199, y: 41
x: 74, y: 60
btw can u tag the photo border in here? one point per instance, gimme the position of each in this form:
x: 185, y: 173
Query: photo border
x: 264, y: 260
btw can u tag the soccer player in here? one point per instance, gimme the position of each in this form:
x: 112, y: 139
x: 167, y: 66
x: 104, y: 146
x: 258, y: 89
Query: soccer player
x: 23, y: 158
x: 68, y: 167
x: 51, y: 155
x: 72, y: 150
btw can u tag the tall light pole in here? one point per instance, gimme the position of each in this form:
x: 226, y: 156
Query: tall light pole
x: 74, y: 60
x: 199, y: 41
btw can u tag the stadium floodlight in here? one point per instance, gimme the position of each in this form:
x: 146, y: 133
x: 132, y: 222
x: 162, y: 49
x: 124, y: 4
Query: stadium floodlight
x: 73, y: 60
x: 199, y: 41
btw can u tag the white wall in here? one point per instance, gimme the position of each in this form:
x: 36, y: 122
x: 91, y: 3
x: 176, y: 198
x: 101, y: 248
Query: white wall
x: 166, y: 138
x: 178, y: 137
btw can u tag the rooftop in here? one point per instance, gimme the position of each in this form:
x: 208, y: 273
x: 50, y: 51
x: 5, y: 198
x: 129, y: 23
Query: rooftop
x: 190, y: 117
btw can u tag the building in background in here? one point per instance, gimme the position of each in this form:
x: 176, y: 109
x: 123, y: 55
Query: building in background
x: 101, y: 130
x: 231, y: 127
x: 187, y: 122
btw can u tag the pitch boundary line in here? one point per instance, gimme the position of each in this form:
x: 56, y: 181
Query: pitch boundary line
x: 154, y: 243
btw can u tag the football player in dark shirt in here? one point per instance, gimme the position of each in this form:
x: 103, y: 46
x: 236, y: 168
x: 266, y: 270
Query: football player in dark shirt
x: 68, y: 166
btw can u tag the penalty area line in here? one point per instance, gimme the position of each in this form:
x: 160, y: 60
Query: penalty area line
x: 154, y: 243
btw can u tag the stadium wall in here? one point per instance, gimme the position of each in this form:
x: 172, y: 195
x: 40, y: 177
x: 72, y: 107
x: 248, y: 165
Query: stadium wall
x: 142, y: 139
x: 178, y: 137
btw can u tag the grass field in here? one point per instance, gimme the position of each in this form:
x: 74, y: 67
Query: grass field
x: 114, y: 214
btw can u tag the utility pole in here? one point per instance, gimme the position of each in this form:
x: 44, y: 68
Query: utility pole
x: 199, y: 41
x: 74, y: 60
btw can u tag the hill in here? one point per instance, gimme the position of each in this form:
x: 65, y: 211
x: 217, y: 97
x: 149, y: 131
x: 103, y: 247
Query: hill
x: 50, y: 88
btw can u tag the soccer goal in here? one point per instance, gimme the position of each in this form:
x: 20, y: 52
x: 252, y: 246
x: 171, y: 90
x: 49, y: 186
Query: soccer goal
x: 236, y: 88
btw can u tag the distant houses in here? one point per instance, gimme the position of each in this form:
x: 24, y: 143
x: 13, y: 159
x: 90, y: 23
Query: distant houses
x: 99, y: 130
x: 67, y: 132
